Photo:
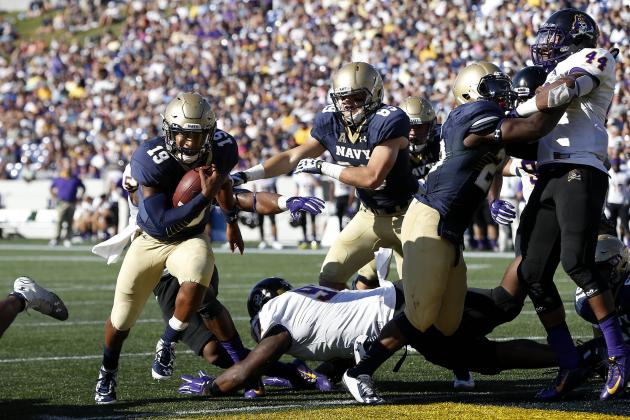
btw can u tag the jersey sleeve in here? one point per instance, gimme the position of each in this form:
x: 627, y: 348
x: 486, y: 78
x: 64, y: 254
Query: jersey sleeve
x: 597, y: 62
x: 482, y: 116
x: 224, y: 151
x: 323, y: 124
x: 143, y: 169
x: 390, y: 122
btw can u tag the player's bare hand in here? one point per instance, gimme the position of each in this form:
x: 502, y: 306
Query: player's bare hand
x: 234, y: 238
x: 208, y: 178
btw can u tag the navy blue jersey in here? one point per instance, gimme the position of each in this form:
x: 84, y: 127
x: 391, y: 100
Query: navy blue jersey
x: 354, y: 149
x: 153, y: 166
x: 422, y: 162
x: 461, y: 179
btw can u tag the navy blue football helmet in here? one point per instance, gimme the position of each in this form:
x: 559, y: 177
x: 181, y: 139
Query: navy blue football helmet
x: 264, y: 291
x: 526, y: 81
x: 564, y: 33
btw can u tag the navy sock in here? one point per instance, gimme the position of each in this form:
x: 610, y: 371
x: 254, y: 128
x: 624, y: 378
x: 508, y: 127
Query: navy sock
x: 110, y: 358
x: 172, y: 335
x: 559, y: 338
x: 372, y: 360
x: 235, y: 349
x: 612, y: 334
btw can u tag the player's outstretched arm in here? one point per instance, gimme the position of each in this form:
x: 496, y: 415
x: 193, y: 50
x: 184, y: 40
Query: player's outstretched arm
x: 267, y: 203
x: 381, y: 161
x: 280, y: 164
x: 267, y: 351
x: 228, y: 205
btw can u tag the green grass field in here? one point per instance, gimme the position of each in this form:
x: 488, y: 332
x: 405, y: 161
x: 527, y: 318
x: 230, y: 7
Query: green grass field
x: 49, y: 368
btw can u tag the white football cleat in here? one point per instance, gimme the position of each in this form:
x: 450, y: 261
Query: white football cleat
x: 463, y: 383
x: 361, y: 388
x: 40, y: 299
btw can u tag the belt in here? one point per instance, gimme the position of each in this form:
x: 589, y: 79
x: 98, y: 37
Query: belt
x: 386, y: 211
x: 561, y: 156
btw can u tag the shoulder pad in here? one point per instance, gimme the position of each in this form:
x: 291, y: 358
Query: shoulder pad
x: 224, y: 151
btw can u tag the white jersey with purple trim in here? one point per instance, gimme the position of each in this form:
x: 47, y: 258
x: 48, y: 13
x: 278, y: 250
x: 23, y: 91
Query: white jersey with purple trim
x: 323, y: 322
x: 580, y: 136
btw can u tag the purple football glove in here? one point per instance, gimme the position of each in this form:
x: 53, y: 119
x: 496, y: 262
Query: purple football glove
x: 196, y: 386
x: 312, y: 205
x: 502, y: 212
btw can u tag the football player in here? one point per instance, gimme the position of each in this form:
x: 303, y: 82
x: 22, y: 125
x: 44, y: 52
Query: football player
x: 368, y: 140
x: 172, y: 238
x: 319, y: 323
x: 434, y: 272
x: 28, y: 294
x: 424, y: 152
x: 560, y: 221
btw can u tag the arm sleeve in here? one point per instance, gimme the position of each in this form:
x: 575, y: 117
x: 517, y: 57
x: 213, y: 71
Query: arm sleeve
x: 171, y: 221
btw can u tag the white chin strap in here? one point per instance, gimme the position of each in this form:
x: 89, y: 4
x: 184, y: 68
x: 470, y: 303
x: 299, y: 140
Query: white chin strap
x: 356, y: 118
x: 417, y: 148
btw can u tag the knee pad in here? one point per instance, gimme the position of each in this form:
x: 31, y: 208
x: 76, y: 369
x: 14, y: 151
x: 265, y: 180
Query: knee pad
x: 586, y: 279
x: 583, y: 308
x: 543, y: 294
x: 510, y: 306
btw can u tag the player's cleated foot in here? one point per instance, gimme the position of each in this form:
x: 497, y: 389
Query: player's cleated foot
x: 105, y: 392
x: 463, y: 381
x: 257, y: 392
x: 303, y: 245
x: 164, y: 360
x: 593, y: 355
x: 311, y: 379
x: 618, y: 368
x: 40, y: 299
x: 362, y: 388
x: 566, y: 381
x: 276, y: 381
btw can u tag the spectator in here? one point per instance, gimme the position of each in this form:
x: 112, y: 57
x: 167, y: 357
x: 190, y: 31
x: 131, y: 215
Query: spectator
x: 65, y: 190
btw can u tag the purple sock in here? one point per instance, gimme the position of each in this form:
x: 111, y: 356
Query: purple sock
x: 235, y: 349
x: 559, y: 338
x: 614, y: 339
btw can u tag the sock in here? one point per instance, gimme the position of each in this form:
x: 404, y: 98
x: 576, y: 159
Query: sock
x: 612, y: 334
x: 559, y: 338
x: 174, y: 330
x: 375, y: 357
x: 235, y: 349
x: 110, y: 358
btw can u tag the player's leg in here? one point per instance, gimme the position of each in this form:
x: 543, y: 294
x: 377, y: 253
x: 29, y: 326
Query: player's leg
x: 192, y: 263
x: 540, y: 244
x: 353, y: 248
x: 9, y: 308
x: 367, y: 277
x: 580, y: 201
x: 197, y: 337
x: 139, y: 273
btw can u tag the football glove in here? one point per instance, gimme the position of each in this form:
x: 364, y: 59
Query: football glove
x: 196, y: 385
x: 502, y: 212
x: 309, y: 166
x: 312, y: 205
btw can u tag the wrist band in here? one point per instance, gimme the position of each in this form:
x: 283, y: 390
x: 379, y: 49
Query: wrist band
x: 255, y: 172
x: 282, y: 203
x: 331, y: 170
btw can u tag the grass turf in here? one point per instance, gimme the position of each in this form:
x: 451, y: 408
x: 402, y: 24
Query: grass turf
x: 49, y: 368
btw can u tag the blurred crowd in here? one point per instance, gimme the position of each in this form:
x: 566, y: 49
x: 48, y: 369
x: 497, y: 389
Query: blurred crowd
x: 85, y: 102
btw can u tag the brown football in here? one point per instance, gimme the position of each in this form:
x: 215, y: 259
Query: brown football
x: 189, y: 186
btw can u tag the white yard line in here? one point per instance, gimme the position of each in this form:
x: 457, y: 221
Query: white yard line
x: 98, y: 356
x: 286, y: 251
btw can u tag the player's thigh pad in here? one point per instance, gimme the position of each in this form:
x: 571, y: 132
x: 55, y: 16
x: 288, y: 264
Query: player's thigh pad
x: 192, y: 260
x: 353, y: 248
x: 140, y: 272
x: 429, y: 263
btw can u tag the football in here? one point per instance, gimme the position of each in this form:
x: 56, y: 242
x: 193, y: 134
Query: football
x: 189, y: 186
